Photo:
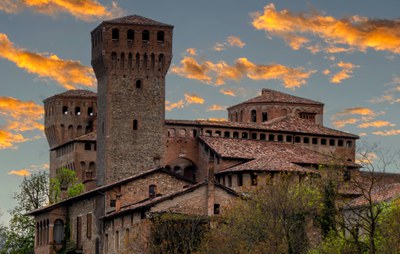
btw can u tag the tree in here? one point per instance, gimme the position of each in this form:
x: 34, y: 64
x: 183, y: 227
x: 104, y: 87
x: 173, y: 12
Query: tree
x: 19, y: 236
x: 66, y: 181
x: 274, y: 219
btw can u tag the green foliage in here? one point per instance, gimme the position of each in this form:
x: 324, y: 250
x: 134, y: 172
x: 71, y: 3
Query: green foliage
x: 177, y: 233
x: 273, y: 220
x: 66, y: 180
x: 327, y: 218
x: 334, y: 244
x: 19, y: 237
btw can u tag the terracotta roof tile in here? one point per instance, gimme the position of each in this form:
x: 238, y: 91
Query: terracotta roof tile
x: 91, y: 136
x: 378, y: 195
x: 136, y: 20
x: 287, y: 123
x: 272, y: 96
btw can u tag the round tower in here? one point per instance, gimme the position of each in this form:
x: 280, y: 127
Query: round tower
x: 130, y: 57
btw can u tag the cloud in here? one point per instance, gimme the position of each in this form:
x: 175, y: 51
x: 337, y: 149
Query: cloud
x: 193, y: 99
x: 387, y: 133
x: 68, y: 73
x: 20, y: 172
x: 231, y: 41
x: 170, y: 106
x: 20, y: 116
x: 343, y: 122
x: 86, y: 10
x: 390, y: 95
x: 216, y: 107
x: 345, y: 73
x: 227, y: 92
x: 218, y: 73
x: 354, y: 32
x: 326, y: 72
x: 191, y: 51
x: 356, y: 111
x: 30, y: 170
x: 366, y: 158
x: 376, y: 124
x: 215, y: 119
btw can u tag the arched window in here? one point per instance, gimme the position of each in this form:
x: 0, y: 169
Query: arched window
x: 245, y: 135
x: 227, y: 134
x: 114, y: 59
x: 254, y: 116
x: 297, y: 139
x: 235, y: 134
x: 135, y: 124
x: 315, y: 141
x: 138, y: 84
x: 323, y: 141
x: 332, y: 142
x: 160, y: 36
x: 280, y: 138
x: 306, y: 140
x: 130, y: 35
x: 137, y: 61
x: 340, y: 142
x: 58, y: 231
x: 65, y: 110
x: 153, y: 61
x: 288, y: 138
x: 271, y: 137
x: 90, y: 111
x: 78, y: 111
x: 161, y: 62
x: 122, y: 63
x: 145, y: 36
x: 263, y: 136
x: 145, y: 60
x: 115, y: 34
x: 130, y: 61
x: 253, y: 135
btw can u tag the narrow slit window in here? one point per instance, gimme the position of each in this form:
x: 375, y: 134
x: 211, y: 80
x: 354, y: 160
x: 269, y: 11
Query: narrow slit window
x: 135, y: 124
x: 77, y: 111
x: 138, y: 84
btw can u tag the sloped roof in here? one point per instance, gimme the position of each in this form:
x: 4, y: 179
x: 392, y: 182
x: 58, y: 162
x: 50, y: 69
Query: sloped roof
x: 91, y: 136
x: 272, y: 96
x: 271, y: 164
x: 253, y: 149
x: 136, y: 20
x: 78, y: 93
x: 289, y: 123
x: 378, y: 194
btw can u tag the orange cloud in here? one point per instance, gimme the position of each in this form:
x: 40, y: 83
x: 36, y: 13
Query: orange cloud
x: 376, y: 124
x: 69, y: 74
x: 214, y: 119
x: 227, y: 92
x: 8, y: 139
x: 216, y: 107
x: 170, y: 106
x: 20, y: 172
x: 356, y: 32
x: 387, y: 133
x: 326, y: 72
x: 343, y: 122
x: 345, y: 73
x: 356, y: 111
x: 218, y: 73
x: 390, y: 95
x: 191, y: 51
x: 231, y: 41
x: 193, y: 99
x: 87, y: 10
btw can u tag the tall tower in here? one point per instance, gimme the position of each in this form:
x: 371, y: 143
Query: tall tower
x: 130, y: 57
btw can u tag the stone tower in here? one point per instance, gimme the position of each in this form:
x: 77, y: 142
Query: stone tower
x: 67, y: 116
x: 130, y: 57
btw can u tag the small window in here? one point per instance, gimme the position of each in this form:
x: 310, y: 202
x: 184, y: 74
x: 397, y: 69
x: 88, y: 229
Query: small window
x: 112, y: 203
x: 194, y: 133
x: 115, y: 34
x: 88, y: 147
x: 315, y: 141
x: 90, y: 111
x: 138, y: 84
x: 160, y: 36
x: 271, y: 137
x: 245, y: 135
x: 236, y: 134
x: 58, y: 231
x: 89, y: 225
x: 253, y: 135
x: 306, y: 140
x: 289, y: 139
x: 218, y: 133
x: 297, y: 139
x: 229, y: 181
x: 346, y: 175
x: 239, y: 179
x: 65, y: 110
x: 77, y: 111
x: 264, y: 116
x: 208, y: 133
x: 280, y: 138
x: 227, y: 134
x: 349, y: 143
x: 331, y: 142
x: 254, y: 180
x: 254, y: 116
x: 323, y: 141
x: 117, y: 240
x: 152, y: 190
x: 135, y: 124
x: 130, y: 35
x: 216, y: 208
x: 145, y: 36
x: 263, y: 136
x: 340, y: 142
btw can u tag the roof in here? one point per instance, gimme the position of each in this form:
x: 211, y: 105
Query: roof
x: 136, y: 20
x: 271, y: 164
x: 378, y: 195
x: 272, y: 96
x: 253, y: 149
x: 108, y: 186
x: 147, y: 203
x: 91, y: 136
x: 79, y: 93
x: 288, y: 123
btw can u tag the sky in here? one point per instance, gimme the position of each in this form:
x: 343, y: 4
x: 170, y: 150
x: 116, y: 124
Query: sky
x: 345, y: 54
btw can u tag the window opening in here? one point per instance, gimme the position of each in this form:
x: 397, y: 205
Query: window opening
x: 115, y: 34
x: 160, y: 36
x: 135, y: 124
x: 145, y: 36
x: 254, y: 116
x: 130, y: 35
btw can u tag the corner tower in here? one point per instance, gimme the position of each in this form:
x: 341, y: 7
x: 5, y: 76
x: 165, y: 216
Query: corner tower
x: 130, y: 57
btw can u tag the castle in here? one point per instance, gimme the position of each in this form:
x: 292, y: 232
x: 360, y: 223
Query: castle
x: 133, y: 162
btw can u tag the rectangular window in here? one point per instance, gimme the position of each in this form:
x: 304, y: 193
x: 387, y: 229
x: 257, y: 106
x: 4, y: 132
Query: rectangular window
x: 216, y: 208
x: 89, y: 225
x: 79, y: 232
x: 117, y: 240
x: 254, y: 179
x: 229, y: 181
x: 240, y: 179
